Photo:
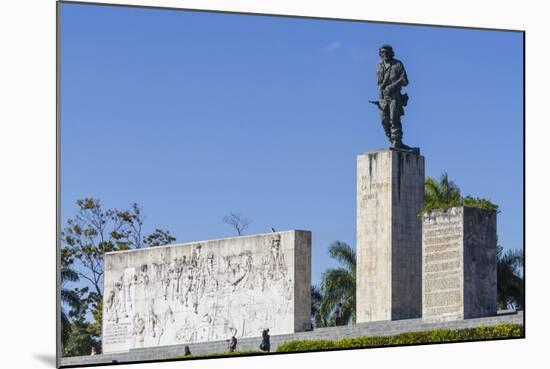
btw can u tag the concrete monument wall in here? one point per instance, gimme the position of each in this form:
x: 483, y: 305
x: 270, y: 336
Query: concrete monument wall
x: 459, y: 279
x: 207, y: 291
x: 390, y: 196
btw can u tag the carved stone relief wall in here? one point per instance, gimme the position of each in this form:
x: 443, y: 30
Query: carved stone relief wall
x: 205, y: 291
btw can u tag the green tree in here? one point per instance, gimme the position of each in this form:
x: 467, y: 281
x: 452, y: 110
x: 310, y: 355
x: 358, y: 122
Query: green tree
x: 70, y: 298
x: 476, y: 202
x: 510, y: 291
x: 316, y: 300
x: 94, y: 328
x: 444, y: 194
x: 79, y: 341
x: 338, y: 285
x: 84, y: 240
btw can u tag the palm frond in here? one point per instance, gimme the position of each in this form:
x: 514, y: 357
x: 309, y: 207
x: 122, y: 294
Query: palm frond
x: 432, y: 192
x: 337, y: 281
x: 441, y: 194
x: 510, y: 279
x: 337, y: 286
x: 449, y: 190
x: 345, y: 254
x: 316, y: 299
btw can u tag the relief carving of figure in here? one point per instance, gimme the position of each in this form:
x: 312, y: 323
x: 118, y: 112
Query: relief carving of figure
x: 274, y: 264
x: 142, y: 277
x: 168, y: 320
x: 129, y: 290
x: 120, y: 299
x: 183, y: 334
x: 165, y: 285
x: 152, y: 320
x: 179, y: 267
x: 248, y: 268
x: 110, y: 306
x: 212, y: 283
x: 205, y: 330
x: 138, y: 331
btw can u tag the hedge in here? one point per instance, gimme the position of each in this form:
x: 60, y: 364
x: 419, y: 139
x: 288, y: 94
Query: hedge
x: 435, y: 336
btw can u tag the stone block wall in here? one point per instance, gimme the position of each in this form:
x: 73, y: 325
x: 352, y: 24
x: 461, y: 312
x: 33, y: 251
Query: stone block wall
x: 390, y: 196
x: 480, y: 263
x: 459, y: 264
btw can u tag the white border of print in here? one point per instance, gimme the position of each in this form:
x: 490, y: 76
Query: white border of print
x: 27, y: 190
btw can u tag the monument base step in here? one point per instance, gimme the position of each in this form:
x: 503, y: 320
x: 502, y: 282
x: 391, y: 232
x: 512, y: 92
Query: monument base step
x: 380, y: 328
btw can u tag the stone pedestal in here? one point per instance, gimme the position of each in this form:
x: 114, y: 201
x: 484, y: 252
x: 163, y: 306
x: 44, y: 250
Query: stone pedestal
x: 459, y: 279
x: 390, y: 196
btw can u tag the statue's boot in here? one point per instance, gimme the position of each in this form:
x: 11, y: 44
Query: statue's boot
x: 398, y: 144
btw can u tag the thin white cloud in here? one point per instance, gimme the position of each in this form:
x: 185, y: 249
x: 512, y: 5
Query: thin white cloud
x: 334, y: 45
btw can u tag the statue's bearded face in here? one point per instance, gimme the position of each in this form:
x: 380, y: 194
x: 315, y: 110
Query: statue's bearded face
x: 386, y: 54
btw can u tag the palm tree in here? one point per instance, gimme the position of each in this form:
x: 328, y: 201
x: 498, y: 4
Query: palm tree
x: 316, y: 300
x: 69, y: 297
x: 509, y: 279
x: 441, y: 195
x: 338, y: 285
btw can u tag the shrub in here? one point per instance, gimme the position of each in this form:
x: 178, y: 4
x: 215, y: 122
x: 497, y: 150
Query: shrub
x: 445, y: 194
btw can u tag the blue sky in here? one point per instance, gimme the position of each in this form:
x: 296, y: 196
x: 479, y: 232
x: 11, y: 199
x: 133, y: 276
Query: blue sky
x: 194, y: 114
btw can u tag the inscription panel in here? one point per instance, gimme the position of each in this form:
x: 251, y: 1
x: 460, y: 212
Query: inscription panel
x: 442, y: 281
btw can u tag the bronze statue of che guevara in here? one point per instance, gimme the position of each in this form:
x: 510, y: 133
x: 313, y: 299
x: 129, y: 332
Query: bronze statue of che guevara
x: 391, y: 76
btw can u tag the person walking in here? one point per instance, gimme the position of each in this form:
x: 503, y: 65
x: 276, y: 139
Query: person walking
x: 338, y: 315
x: 186, y: 351
x: 232, y: 344
x: 265, y: 345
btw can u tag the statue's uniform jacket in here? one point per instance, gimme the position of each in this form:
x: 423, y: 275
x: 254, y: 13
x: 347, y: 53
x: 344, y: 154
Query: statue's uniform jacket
x: 394, y: 77
x: 391, y: 77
